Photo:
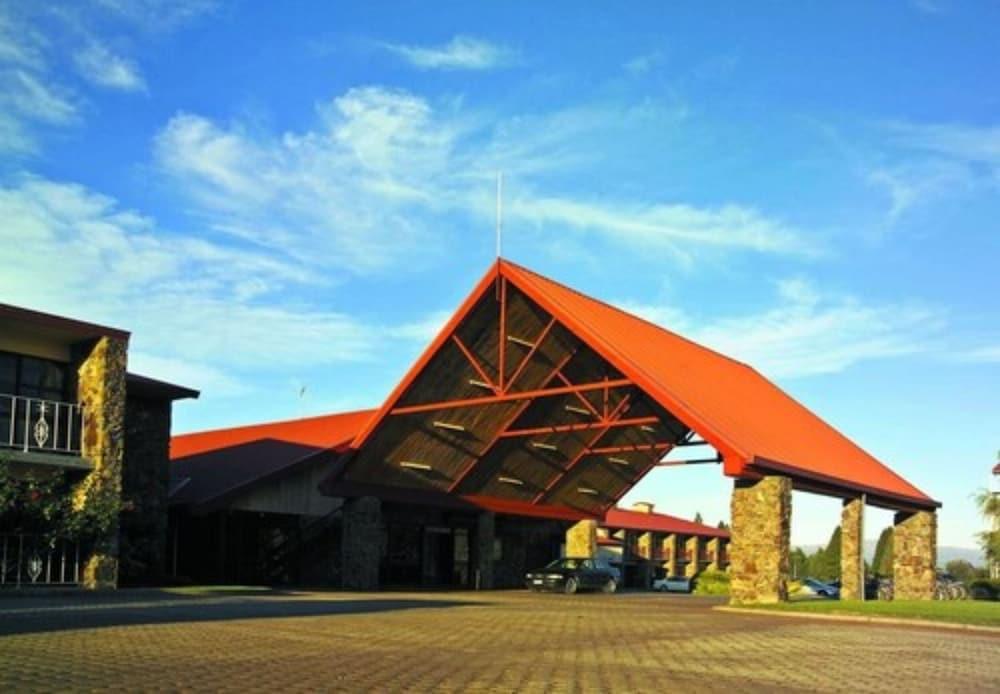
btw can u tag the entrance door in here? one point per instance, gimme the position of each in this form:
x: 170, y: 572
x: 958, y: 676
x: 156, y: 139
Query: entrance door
x: 438, y: 556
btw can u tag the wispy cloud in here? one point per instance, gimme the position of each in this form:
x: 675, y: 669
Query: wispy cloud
x: 987, y: 354
x: 971, y: 143
x: 461, y: 53
x: 808, y: 332
x: 369, y: 186
x: 641, y: 64
x: 200, y: 309
x: 159, y: 15
x: 99, y: 65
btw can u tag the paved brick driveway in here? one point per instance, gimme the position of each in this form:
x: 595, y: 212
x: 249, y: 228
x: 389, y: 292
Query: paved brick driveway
x: 504, y: 641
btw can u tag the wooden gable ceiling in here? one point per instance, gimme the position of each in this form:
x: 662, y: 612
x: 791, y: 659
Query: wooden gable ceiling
x: 512, y: 405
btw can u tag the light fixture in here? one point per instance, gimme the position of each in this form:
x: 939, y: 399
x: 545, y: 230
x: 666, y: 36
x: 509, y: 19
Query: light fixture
x: 411, y: 465
x: 511, y: 480
x: 587, y: 490
x: 449, y: 426
x: 648, y: 428
x: 544, y: 446
x: 619, y: 461
x: 480, y: 384
x: 521, y: 341
x: 577, y: 410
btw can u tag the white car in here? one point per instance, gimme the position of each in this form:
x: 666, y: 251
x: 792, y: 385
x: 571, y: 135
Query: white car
x: 672, y: 584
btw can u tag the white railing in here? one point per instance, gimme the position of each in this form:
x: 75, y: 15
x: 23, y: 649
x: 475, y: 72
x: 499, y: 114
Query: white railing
x: 33, y: 560
x: 32, y: 424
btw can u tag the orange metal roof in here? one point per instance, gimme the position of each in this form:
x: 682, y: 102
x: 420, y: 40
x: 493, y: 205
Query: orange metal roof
x: 326, y: 431
x: 757, y: 427
x: 658, y: 522
x: 747, y: 418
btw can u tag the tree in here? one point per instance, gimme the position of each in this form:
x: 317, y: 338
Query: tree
x: 961, y: 569
x: 799, y: 562
x: 697, y: 517
x: 723, y: 525
x: 989, y: 506
x: 882, y: 561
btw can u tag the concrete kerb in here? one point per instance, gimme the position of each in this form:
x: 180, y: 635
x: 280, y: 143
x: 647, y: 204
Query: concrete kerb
x: 889, y: 621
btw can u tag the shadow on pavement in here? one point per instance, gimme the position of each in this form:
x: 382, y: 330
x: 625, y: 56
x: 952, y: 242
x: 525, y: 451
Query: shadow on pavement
x: 29, y: 616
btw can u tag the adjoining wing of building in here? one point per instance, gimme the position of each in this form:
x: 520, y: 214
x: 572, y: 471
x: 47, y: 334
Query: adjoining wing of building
x: 69, y: 409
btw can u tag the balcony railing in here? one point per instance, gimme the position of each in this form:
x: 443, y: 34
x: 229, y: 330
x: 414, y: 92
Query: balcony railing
x: 44, y: 426
x: 32, y: 560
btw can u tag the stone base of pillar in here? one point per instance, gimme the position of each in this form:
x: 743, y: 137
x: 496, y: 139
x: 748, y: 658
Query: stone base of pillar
x: 693, y: 550
x: 914, y: 555
x: 852, y: 565
x: 362, y: 543
x: 581, y: 540
x: 100, y: 572
x: 759, y: 548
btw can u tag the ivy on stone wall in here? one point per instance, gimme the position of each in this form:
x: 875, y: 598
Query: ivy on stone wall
x: 53, y: 506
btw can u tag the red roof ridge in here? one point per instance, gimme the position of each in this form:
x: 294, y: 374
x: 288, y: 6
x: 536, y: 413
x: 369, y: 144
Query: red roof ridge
x: 277, y: 422
x: 608, y: 304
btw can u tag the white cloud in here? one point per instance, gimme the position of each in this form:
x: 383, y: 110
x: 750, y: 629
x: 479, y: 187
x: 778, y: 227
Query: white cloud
x: 70, y: 250
x: 423, y: 330
x: 989, y: 354
x: 98, y: 64
x: 28, y: 96
x: 461, y: 53
x: 808, y: 332
x: 642, y: 64
x: 156, y: 15
x: 366, y: 189
x: 959, y: 141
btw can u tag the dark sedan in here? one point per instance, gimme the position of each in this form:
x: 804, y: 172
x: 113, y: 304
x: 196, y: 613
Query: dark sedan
x: 570, y: 575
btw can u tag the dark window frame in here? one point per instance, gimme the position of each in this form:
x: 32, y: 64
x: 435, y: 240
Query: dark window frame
x: 18, y: 387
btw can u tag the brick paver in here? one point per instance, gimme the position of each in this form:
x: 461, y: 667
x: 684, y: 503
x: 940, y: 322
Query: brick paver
x: 480, y: 642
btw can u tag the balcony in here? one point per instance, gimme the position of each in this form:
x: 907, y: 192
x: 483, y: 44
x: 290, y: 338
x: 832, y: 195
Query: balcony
x: 36, y: 429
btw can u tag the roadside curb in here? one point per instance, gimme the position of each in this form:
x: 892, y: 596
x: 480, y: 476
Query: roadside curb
x: 893, y: 621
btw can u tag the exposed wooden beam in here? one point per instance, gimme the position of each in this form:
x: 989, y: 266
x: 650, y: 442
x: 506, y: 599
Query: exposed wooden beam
x: 631, y: 448
x: 475, y: 362
x: 502, y: 345
x: 586, y: 403
x: 506, y: 425
x: 527, y: 357
x: 583, y: 426
x: 510, y: 397
x: 615, y: 414
x: 698, y: 461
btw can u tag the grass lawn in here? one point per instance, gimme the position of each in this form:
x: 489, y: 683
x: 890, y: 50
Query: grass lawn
x: 978, y: 612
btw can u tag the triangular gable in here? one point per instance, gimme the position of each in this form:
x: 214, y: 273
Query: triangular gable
x: 678, y: 386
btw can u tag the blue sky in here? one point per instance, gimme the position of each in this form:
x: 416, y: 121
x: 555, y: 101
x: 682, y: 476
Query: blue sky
x: 277, y: 197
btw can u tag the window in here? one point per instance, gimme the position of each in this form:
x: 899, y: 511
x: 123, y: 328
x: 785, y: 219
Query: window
x: 32, y: 377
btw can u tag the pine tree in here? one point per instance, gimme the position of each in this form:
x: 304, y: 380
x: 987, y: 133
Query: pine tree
x: 697, y: 517
x: 883, y: 553
x: 831, y: 558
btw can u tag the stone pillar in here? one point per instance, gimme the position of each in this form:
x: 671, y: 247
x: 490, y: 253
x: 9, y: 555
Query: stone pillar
x: 759, y: 550
x: 714, y: 554
x: 581, y: 540
x: 101, y: 392
x: 691, y: 548
x: 668, y: 550
x: 363, y: 540
x: 914, y: 555
x: 852, y: 562
x: 485, y: 536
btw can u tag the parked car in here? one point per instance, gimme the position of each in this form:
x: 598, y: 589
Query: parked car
x: 823, y: 590
x: 673, y: 584
x: 570, y: 575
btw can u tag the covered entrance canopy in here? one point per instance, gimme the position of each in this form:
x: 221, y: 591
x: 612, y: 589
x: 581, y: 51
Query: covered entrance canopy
x: 537, y: 400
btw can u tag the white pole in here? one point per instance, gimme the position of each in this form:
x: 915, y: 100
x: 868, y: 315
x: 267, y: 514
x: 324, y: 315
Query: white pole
x: 499, y: 213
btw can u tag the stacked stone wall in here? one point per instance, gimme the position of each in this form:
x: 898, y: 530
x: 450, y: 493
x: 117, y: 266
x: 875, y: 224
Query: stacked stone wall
x: 759, y: 546
x: 581, y: 539
x: 915, y: 555
x: 101, y: 392
x: 851, y: 557
x: 363, y: 542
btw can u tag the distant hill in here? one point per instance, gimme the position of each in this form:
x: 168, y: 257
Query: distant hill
x: 946, y: 553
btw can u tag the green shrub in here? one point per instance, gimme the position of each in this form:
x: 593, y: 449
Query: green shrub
x: 712, y: 583
x: 985, y: 589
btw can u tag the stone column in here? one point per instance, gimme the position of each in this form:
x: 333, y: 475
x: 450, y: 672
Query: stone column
x: 914, y: 555
x: 852, y: 562
x: 101, y: 392
x: 759, y: 562
x: 363, y: 540
x: 691, y: 547
x: 714, y: 554
x: 669, y: 552
x: 581, y: 540
x: 485, y: 536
